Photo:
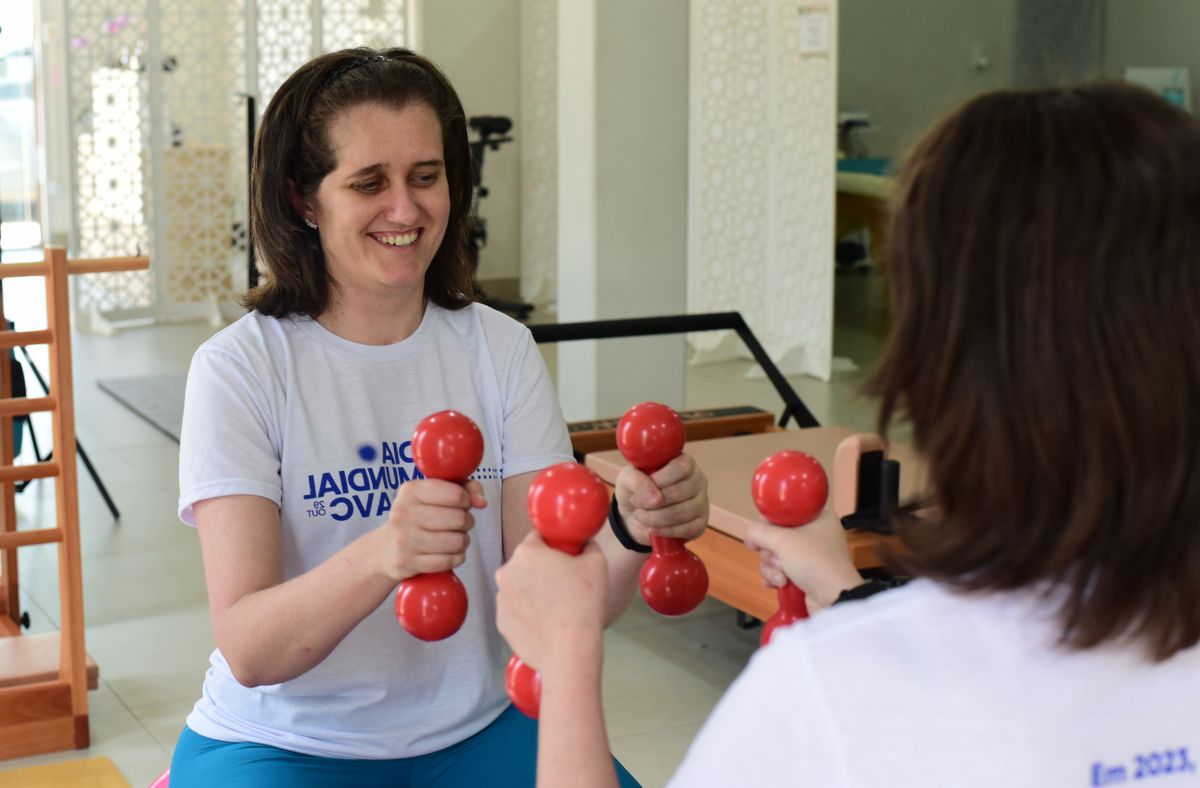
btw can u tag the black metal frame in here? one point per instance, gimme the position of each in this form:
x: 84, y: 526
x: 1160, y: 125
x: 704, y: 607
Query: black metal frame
x: 794, y: 407
x: 28, y: 426
x: 491, y: 131
x: 37, y: 452
x: 251, y: 121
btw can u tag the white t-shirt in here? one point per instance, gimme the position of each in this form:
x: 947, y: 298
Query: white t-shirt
x: 321, y: 426
x: 921, y: 687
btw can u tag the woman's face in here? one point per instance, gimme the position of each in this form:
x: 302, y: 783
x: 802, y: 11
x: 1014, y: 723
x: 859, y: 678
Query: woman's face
x: 382, y: 211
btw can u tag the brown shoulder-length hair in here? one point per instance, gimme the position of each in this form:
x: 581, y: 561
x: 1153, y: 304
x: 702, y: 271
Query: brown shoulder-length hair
x: 1045, y: 276
x: 293, y: 143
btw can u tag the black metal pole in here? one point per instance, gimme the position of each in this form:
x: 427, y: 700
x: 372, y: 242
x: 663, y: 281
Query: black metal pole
x: 252, y: 273
x: 87, y: 463
x: 794, y: 407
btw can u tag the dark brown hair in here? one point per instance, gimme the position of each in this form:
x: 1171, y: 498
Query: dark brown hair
x: 293, y: 143
x: 1044, y: 265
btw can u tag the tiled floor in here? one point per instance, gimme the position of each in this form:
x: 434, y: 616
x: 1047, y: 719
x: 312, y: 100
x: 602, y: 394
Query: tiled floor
x: 146, y: 610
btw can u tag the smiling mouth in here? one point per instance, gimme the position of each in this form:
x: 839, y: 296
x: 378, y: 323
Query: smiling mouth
x: 397, y: 240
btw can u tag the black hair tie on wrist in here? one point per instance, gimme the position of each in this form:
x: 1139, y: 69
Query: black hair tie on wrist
x: 621, y: 531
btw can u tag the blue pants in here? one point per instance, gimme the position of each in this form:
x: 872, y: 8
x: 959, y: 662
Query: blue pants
x: 503, y: 755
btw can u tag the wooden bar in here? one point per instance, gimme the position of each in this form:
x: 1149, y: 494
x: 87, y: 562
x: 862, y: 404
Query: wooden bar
x: 14, y: 539
x: 78, y: 266
x: 104, y: 265
x: 23, y: 406
x: 13, y: 270
x: 33, y: 659
x: 72, y: 668
x: 12, y: 339
x: 34, y: 470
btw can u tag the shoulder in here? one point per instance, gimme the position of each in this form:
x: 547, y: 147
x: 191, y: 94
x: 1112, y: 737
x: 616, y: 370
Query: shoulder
x: 254, y: 348
x: 482, y: 316
x: 250, y: 339
x: 880, y: 614
x: 920, y: 633
x: 849, y: 638
x: 481, y: 325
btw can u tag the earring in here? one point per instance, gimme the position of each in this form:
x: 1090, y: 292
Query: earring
x: 311, y: 224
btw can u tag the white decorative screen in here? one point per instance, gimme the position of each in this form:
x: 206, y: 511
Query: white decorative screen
x: 762, y: 176
x: 157, y: 92
x: 354, y: 23
x: 108, y: 96
x: 539, y: 151
x: 199, y: 184
x: 285, y: 42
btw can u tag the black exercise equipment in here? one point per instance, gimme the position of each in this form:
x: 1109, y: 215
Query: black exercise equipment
x: 491, y: 131
x: 794, y: 407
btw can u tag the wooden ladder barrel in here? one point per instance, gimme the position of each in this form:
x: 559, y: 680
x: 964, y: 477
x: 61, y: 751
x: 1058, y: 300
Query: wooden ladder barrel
x: 44, y: 678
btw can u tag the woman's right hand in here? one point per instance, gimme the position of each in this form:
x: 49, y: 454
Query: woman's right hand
x: 428, y: 527
x: 816, y: 557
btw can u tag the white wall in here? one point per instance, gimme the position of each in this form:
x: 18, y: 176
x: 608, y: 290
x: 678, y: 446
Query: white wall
x: 476, y: 42
x: 905, y: 63
x: 762, y: 184
x: 1153, y: 33
x: 622, y: 191
x: 1058, y: 42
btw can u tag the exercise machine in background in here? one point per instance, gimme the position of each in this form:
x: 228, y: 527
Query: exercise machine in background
x: 491, y: 131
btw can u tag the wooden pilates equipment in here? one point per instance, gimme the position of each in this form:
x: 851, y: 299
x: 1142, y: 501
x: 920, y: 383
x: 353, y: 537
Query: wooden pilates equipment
x: 44, y: 678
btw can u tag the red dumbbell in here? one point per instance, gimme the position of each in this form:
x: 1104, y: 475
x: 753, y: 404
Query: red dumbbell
x: 673, y: 579
x: 567, y: 505
x: 789, y: 489
x: 449, y: 446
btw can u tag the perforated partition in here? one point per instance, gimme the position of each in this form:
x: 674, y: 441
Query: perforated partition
x: 157, y: 100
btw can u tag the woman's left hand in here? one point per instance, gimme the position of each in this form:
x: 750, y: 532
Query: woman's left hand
x: 550, y: 605
x: 672, y: 501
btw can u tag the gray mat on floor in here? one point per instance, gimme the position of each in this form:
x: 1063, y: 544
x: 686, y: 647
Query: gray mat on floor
x: 156, y: 398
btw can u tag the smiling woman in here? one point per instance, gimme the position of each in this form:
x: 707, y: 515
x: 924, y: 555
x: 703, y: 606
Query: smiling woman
x: 364, y: 325
x: 380, y: 224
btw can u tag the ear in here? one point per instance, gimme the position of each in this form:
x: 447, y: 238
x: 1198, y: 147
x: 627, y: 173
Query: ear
x: 299, y: 204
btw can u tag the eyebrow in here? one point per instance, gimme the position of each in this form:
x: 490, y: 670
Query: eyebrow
x: 372, y: 168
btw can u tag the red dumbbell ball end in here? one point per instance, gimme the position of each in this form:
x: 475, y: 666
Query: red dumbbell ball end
x: 790, y: 488
x: 568, y: 505
x: 447, y: 445
x: 524, y: 685
x: 650, y: 435
x: 433, y: 606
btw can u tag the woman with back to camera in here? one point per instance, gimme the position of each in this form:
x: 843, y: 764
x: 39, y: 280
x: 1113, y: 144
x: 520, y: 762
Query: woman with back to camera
x: 1044, y: 267
x: 296, y: 469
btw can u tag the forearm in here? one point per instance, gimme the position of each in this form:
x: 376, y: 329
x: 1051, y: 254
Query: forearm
x: 573, y: 747
x: 280, y: 633
x: 624, y: 567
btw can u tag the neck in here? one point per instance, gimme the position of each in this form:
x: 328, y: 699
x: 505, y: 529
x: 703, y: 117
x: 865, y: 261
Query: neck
x: 381, y: 321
